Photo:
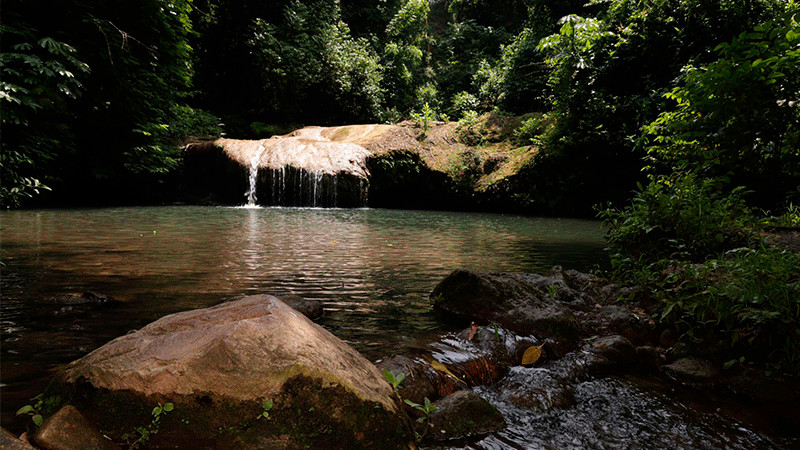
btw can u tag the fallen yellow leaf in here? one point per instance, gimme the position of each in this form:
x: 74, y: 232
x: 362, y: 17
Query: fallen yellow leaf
x: 439, y: 367
x: 334, y: 242
x: 531, y: 355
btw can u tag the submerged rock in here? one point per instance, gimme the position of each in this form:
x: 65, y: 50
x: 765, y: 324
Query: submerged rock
x: 223, y: 367
x: 67, y: 429
x: 524, y: 303
x: 463, y: 414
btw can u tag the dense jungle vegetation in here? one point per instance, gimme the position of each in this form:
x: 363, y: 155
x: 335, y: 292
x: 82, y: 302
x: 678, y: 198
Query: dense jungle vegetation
x: 696, y: 102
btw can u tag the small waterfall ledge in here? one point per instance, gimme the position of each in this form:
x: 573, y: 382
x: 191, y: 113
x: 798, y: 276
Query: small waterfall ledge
x: 313, y: 166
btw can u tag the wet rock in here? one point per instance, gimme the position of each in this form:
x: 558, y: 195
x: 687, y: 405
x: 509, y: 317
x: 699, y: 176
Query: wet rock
x: 761, y: 388
x: 678, y: 351
x: 10, y: 442
x: 536, y: 388
x: 418, y: 383
x: 667, y: 338
x: 523, y: 303
x: 218, y: 365
x: 649, y: 356
x: 463, y: 414
x: 309, y: 308
x: 693, y: 371
x: 617, y: 316
x: 97, y: 297
x: 492, y: 341
x: 67, y: 429
x: 521, y: 344
x: 461, y: 362
x: 616, y: 349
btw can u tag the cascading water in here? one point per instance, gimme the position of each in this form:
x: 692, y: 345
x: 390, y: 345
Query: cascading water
x: 254, y: 161
x: 305, y: 168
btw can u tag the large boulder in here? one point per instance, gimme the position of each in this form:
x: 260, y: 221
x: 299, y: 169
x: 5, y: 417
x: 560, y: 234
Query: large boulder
x: 251, y: 373
x: 524, y: 303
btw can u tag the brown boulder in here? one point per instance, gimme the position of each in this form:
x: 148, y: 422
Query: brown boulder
x: 218, y: 365
x: 67, y: 429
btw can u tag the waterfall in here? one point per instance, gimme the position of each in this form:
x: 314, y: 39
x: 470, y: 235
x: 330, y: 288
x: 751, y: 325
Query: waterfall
x: 305, y: 168
x: 254, y: 161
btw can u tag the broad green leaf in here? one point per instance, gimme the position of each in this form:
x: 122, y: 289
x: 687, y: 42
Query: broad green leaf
x: 25, y: 410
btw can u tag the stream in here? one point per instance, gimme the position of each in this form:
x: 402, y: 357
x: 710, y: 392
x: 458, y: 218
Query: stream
x: 372, y: 269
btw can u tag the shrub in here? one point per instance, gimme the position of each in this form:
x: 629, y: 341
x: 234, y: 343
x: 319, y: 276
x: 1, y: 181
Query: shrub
x: 470, y: 130
x: 531, y: 130
x: 749, y: 299
x: 680, y: 217
x: 463, y: 103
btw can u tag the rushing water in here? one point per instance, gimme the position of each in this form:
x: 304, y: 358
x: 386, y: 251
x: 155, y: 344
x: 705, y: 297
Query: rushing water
x: 253, y: 176
x: 373, y: 269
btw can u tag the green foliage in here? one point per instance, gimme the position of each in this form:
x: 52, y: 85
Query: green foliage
x: 39, y: 79
x: 789, y: 218
x: 737, y: 116
x: 144, y: 433
x: 747, y: 298
x: 427, y: 408
x: 457, y: 53
x: 189, y: 123
x: 470, y: 129
x: 425, y: 118
x: 266, y: 407
x: 312, y: 66
x: 531, y: 130
x: 404, y: 54
x: 393, y: 379
x: 680, y: 217
x: 463, y: 103
x: 40, y: 407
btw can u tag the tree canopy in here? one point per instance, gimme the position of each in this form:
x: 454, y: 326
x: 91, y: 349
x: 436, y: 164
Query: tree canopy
x: 98, y: 96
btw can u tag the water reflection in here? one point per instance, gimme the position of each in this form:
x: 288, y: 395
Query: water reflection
x: 373, y: 269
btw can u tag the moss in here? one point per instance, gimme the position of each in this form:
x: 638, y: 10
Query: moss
x: 308, y: 411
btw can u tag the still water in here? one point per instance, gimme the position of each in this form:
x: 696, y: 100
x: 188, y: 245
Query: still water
x: 373, y: 269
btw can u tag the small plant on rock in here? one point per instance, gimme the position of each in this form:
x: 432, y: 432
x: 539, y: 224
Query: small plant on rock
x: 427, y: 408
x: 470, y: 129
x: 393, y: 379
x: 40, y: 405
x: 266, y: 407
x: 146, y: 432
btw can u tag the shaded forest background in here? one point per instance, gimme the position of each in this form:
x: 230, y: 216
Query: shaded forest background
x: 98, y: 96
